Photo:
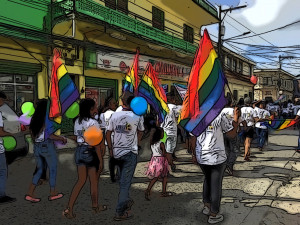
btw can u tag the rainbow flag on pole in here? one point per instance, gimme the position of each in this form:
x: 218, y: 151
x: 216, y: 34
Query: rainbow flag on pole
x: 205, y: 97
x: 151, y: 89
x: 280, y: 124
x: 62, y: 94
x: 132, y: 77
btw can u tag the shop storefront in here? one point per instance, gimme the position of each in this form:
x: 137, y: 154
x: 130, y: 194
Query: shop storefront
x: 18, y: 81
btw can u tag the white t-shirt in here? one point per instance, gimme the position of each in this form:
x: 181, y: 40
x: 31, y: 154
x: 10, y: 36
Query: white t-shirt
x: 79, y: 128
x: 101, y: 120
x: 124, y: 125
x: 298, y: 113
x: 210, y: 149
x: 272, y: 108
x: 40, y: 137
x: 285, y: 110
x: 248, y: 114
x: 156, y: 151
x: 119, y: 109
x: 2, y: 149
x: 291, y: 107
x: 170, y: 123
x: 296, y: 109
x: 262, y: 114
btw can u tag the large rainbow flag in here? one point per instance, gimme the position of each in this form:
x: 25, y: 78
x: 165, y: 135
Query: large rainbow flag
x: 132, y: 77
x: 62, y: 94
x: 151, y: 89
x: 205, y: 97
x: 280, y: 124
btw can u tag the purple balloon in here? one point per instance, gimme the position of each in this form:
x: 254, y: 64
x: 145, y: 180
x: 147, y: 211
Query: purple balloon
x: 25, y: 120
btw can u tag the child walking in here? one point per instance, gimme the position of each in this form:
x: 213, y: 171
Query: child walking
x: 158, y: 166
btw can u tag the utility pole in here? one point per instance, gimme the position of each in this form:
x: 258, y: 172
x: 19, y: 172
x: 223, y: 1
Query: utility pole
x: 280, y: 59
x: 222, y: 31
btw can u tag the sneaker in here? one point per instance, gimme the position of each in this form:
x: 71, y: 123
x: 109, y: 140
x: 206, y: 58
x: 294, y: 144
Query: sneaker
x: 206, y: 211
x: 215, y: 219
x: 7, y: 199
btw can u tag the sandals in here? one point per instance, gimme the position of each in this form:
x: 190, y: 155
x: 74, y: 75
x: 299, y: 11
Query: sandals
x: 125, y: 216
x: 55, y: 197
x: 32, y: 199
x: 99, y: 209
x: 67, y: 214
x: 147, y: 195
x: 167, y: 194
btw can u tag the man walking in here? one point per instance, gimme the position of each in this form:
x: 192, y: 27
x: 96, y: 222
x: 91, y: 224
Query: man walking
x: 128, y: 130
x: 3, y: 165
x: 262, y: 131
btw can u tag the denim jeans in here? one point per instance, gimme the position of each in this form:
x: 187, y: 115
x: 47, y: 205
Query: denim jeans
x: 212, y: 186
x: 232, y: 149
x: 3, y: 174
x: 127, y: 165
x: 45, y: 152
x: 262, y: 135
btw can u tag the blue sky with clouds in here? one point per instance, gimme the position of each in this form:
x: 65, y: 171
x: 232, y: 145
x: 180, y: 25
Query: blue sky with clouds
x: 261, y: 16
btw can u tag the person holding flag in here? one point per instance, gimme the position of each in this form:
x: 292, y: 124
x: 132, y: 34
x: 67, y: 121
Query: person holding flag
x: 203, y: 117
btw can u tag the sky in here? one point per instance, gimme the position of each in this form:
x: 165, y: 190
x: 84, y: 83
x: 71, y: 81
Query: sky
x: 260, y: 16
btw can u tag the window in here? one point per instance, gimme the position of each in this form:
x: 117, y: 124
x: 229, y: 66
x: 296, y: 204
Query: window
x: 268, y: 92
x: 234, y: 65
x: 228, y: 62
x: 158, y: 18
x: 265, y: 81
x: 123, y: 6
x: 188, y: 33
x: 111, y: 4
x: 235, y: 95
x: 251, y: 96
x: 270, y: 80
x: 240, y: 67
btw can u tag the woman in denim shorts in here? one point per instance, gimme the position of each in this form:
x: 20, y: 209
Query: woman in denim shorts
x: 89, y: 159
x: 44, y: 152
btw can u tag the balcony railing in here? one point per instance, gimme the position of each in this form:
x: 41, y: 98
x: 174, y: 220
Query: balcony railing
x: 90, y: 8
x: 206, y: 5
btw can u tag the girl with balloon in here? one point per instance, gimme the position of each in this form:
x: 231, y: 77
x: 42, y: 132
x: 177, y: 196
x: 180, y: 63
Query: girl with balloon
x: 44, y: 152
x: 88, y: 155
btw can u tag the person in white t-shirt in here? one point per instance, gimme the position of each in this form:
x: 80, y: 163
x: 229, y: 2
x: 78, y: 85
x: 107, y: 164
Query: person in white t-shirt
x: 248, y: 114
x: 285, y: 111
x: 89, y: 159
x: 210, y: 154
x: 44, y: 152
x: 262, y: 131
x: 127, y: 129
x: 291, y: 108
x: 170, y: 127
x: 3, y: 165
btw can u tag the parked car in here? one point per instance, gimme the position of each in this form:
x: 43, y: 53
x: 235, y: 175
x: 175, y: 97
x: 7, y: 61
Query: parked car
x: 12, y: 125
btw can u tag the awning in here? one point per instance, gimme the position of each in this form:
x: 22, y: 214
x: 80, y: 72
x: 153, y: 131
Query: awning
x: 181, y: 89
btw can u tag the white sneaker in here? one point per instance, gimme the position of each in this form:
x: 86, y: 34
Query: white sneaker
x: 206, y: 210
x: 215, y: 219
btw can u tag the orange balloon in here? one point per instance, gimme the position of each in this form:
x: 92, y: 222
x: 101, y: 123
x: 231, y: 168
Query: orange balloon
x: 93, y: 136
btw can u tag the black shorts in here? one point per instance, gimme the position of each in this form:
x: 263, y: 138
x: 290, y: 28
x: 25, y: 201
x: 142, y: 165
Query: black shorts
x: 249, y: 132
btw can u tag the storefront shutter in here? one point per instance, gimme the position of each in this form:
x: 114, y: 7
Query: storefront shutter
x: 100, y: 82
x: 15, y: 67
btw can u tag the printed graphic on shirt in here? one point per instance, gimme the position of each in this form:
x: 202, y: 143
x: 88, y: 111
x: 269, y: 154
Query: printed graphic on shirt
x: 123, y: 128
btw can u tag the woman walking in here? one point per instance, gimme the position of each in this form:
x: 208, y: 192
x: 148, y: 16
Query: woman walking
x: 44, y: 152
x: 89, y: 159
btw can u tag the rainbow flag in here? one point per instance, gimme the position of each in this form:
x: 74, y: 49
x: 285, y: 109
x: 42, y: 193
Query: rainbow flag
x: 280, y: 124
x: 132, y: 77
x: 205, y: 97
x: 62, y: 94
x: 151, y: 89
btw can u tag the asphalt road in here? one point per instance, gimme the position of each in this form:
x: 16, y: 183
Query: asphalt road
x: 264, y: 191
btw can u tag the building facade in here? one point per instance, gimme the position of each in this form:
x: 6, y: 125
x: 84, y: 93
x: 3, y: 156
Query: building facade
x: 273, y: 83
x: 238, y: 71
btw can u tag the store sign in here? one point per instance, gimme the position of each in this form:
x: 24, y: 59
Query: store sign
x: 121, y: 62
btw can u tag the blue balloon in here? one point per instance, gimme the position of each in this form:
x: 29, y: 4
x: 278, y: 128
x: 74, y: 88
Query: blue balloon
x: 139, y: 106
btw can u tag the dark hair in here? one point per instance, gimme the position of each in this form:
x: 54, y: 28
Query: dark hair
x: 85, y: 106
x: 156, y: 135
x: 241, y: 102
x: 284, y: 105
x: 129, y: 99
x: 229, y: 101
x: 38, y: 118
x: 2, y: 95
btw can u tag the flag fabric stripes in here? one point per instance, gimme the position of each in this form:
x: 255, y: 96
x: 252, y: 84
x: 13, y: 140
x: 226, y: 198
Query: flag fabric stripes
x: 132, y: 77
x: 62, y: 94
x: 205, y: 97
x: 280, y: 124
x: 151, y: 89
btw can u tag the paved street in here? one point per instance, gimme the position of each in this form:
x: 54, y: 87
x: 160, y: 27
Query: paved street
x: 264, y: 191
